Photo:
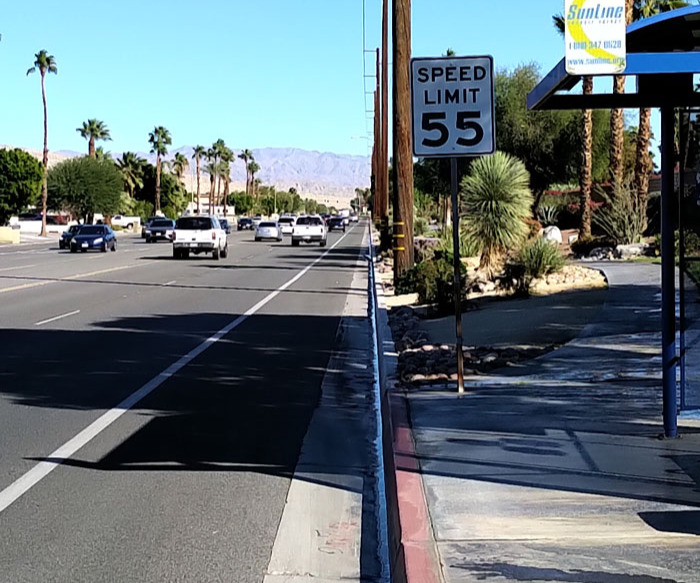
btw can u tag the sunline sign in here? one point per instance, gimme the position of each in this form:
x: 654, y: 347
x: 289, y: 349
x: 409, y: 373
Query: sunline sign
x: 595, y: 37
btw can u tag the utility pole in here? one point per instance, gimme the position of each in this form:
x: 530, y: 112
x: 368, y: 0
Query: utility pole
x: 379, y: 201
x: 403, y: 155
x: 383, y: 158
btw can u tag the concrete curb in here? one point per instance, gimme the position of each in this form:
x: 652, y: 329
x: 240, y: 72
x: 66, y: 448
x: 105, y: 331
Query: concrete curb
x: 414, y: 551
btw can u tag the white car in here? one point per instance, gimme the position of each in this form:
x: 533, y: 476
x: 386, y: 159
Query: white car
x: 286, y: 224
x: 354, y: 218
x: 268, y: 230
x: 256, y: 221
x: 310, y: 229
x: 199, y: 234
x: 125, y: 222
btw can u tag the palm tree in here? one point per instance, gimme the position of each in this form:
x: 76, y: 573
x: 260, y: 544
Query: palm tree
x: 159, y: 139
x: 131, y: 167
x: 643, y: 165
x: 44, y: 63
x: 497, y: 201
x: 197, y: 154
x: 246, y: 156
x: 253, y: 169
x: 617, y: 120
x: 180, y: 165
x: 586, y: 170
x: 212, y: 169
x: 227, y: 158
x: 92, y: 130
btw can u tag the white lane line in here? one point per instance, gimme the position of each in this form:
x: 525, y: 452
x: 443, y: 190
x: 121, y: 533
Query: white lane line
x: 35, y: 475
x: 170, y: 282
x: 17, y: 267
x: 66, y: 315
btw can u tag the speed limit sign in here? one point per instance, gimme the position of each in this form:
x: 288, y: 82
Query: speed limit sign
x: 453, y: 107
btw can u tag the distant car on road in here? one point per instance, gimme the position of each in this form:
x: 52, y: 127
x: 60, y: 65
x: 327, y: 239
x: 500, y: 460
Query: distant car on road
x: 268, y: 230
x: 67, y: 235
x: 147, y: 224
x: 199, y: 234
x: 225, y: 225
x: 245, y: 224
x: 286, y: 224
x: 354, y: 218
x: 336, y: 223
x: 309, y: 230
x: 160, y: 229
x: 257, y: 220
x: 99, y: 237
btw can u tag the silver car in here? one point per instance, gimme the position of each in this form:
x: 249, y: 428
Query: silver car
x: 268, y: 230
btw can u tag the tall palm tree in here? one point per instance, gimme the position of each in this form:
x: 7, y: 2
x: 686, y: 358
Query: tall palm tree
x: 253, y: 169
x: 92, y: 130
x: 213, y: 170
x: 159, y: 139
x: 227, y: 158
x: 246, y: 156
x: 197, y: 154
x: 44, y: 63
x: 180, y: 164
x: 131, y: 166
x: 586, y: 170
x: 643, y: 164
x: 617, y: 120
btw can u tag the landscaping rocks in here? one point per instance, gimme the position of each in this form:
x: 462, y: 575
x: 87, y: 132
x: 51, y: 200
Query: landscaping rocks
x: 601, y: 254
x: 630, y: 251
x: 552, y: 234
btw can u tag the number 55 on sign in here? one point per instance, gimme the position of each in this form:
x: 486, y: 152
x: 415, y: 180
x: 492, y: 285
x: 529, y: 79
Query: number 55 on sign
x: 453, y: 107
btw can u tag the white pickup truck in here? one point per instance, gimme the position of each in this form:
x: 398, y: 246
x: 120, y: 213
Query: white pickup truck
x: 126, y: 222
x: 199, y: 234
x: 309, y: 229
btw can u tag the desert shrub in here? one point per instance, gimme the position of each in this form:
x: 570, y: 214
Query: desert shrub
x: 536, y: 258
x: 620, y: 217
x: 534, y: 227
x: 548, y: 215
x: 432, y: 280
x: 690, y: 238
x: 420, y: 226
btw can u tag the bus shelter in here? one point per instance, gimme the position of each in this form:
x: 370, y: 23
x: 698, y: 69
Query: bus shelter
x: 663, y: 53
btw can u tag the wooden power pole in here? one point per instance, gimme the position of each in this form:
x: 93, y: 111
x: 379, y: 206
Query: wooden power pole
x: 383, y: 158
x: 403, y: 155
x: 378, y: 190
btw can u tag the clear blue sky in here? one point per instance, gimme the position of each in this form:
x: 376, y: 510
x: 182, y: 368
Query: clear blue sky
x: 257, y: 73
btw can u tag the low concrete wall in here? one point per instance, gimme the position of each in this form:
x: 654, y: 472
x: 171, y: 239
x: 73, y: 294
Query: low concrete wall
x: 9, y: 235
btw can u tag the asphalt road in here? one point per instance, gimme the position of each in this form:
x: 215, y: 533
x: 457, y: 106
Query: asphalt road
x: 190, y: 483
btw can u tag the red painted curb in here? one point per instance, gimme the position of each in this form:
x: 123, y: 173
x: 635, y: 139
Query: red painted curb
x: 419, y: 546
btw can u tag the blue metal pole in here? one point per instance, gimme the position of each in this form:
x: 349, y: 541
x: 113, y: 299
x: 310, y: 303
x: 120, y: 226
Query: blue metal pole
x: 668, y: 274
x: 682, y: 136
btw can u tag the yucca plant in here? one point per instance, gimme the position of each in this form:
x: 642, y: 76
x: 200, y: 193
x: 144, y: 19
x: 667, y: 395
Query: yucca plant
x: 548, y: 215
x: 497, y: 200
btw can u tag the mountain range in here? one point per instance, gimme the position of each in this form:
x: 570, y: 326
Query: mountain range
x: 324, y: 176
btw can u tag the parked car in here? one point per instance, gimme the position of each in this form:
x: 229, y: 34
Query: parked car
x: 268, y: 230
x: 336, y: 223
x: 309, y: 230
x: 286, y: 224
x: 67, y: 235
x: 199, y: 234
x: 245, y: 224
x: 160, y: 229
x: 225, y: 225
x: 125, y: 222
x: 100, y: 237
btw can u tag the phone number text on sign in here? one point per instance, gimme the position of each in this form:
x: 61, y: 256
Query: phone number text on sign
x: 452, y: 106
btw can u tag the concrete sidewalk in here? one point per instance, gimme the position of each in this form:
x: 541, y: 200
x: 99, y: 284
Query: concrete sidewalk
x: 555, y: 471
